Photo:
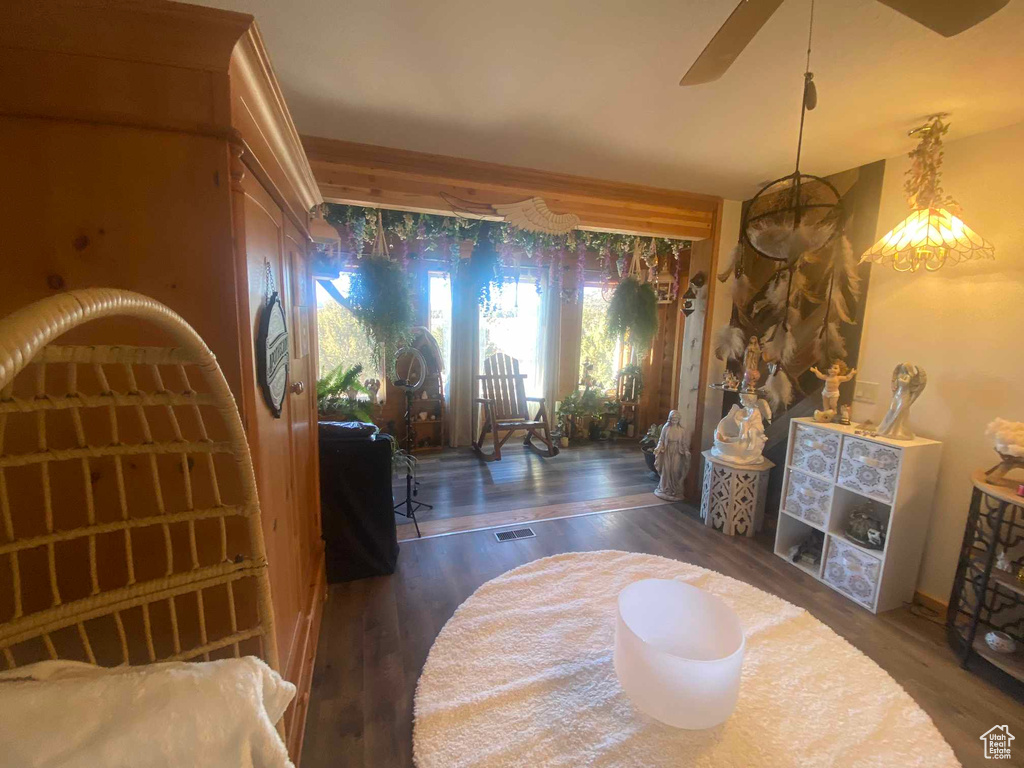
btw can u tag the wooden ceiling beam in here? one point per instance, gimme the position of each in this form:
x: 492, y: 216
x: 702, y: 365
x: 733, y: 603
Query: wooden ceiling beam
x: 362, y: 174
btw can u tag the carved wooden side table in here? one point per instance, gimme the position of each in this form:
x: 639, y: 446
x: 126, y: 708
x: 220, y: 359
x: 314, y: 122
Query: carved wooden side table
x: 733, y: 495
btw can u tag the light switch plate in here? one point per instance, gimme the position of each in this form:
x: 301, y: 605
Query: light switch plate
x: 865, y: 391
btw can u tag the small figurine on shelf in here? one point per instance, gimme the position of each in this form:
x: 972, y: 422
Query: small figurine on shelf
x: 844, y: 415
x: 908, y: 381
x: 865, y: 526
x: 837, y: 374
x: 751, y: 361
x: 671, y: 459
x: 730, y: 381
x: 1003, y: 562
x: 372, y: 388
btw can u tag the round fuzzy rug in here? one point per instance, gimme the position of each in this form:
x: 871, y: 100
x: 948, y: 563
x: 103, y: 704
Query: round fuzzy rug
x: 522, y: 675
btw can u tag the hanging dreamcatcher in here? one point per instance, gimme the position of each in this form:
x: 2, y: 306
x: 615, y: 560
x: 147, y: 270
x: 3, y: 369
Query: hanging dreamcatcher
x: 793, y: 221
x: 798, y: 213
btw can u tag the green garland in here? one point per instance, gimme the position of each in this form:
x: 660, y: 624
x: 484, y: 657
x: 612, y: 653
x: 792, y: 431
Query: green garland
x: 423, y: 233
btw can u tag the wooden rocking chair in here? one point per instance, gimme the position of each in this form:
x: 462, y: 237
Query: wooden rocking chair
x: 506, y: 408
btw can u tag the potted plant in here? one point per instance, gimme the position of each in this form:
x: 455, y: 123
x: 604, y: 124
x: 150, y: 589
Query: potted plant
x: 577, y: 406
x: 337, y: 396
x: 632, y: 379
x: 648, y: 443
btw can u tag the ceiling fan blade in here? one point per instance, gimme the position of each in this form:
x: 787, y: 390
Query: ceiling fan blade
x: 730, y: 40
x: 947, y: 17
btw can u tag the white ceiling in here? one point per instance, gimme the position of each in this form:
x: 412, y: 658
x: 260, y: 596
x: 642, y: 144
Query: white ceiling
x: 590, y: 86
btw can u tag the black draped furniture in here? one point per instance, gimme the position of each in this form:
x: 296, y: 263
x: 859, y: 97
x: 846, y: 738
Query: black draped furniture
x: 356, y: 503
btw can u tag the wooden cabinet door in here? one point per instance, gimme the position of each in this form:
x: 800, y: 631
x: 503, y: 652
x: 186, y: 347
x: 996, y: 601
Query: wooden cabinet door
x: 284, y: 450
x: 261, y: 225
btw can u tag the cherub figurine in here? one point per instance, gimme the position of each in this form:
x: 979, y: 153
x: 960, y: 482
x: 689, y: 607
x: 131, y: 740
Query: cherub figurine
x: 836, y: 374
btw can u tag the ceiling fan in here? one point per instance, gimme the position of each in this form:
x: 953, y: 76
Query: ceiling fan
x: 947, y: 17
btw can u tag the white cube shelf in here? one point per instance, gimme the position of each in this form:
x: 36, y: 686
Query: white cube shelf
x: 829, y: 471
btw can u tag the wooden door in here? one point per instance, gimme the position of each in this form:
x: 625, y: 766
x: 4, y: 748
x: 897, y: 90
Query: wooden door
x: 271, y: 253
x: 306, y: 545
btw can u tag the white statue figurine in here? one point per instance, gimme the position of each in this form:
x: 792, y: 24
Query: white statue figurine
x: 739, y: 437
x: 908, y: 381
x: 836, y: 374
x: 751, y: 361
x: 671, y: 459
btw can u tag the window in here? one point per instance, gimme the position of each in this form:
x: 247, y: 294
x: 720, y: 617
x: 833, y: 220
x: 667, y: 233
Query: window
x: 441, y: 315
x: 342, y: 341
x: 513, y: 326
x: 596, y: 347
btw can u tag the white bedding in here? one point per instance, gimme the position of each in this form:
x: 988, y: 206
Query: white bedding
x: 217, y: 713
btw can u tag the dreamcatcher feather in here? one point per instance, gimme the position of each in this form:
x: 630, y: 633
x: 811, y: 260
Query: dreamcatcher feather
x: 843, y: 279
x: 742, y: 290
x: 774, y: 292
x: 850, y: 267
x: 784, y: 242
x: 733, y: 268
x: 779, y: 343
x: 732, y: 263
x: 729, y: 343
x: 778, y: 389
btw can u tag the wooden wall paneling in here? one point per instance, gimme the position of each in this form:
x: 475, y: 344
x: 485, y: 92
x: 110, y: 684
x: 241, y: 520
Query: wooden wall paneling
x: 391, y: 178
x: 80, y: 209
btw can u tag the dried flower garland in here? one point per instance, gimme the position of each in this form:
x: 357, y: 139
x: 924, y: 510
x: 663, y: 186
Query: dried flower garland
x: 414, y: 235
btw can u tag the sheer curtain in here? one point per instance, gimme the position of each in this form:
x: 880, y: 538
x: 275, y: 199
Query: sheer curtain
x: 549, y: 344
x: 462, y: 381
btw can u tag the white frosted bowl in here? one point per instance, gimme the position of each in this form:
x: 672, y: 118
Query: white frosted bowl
x: 678, y: 653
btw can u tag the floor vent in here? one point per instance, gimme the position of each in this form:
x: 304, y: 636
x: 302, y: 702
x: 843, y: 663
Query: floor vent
x: 515, y: 533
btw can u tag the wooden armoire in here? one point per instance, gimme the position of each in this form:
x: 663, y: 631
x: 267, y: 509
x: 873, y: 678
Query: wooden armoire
x: 147, y: 146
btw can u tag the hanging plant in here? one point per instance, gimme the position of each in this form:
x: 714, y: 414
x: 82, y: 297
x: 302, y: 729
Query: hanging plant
x: 633, y: 310
x: 484, y: 269
x: 382, y: 303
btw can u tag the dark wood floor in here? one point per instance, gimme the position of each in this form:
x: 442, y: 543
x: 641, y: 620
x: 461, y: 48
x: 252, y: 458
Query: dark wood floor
x: 377, y: 632
x: 458, y: 482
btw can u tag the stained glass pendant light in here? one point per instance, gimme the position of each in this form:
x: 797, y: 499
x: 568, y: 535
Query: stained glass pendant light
x: 933, y: 235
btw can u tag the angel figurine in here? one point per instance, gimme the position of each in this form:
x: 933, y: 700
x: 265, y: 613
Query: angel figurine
x: 739, y: 437
x: 836, y: 374
x: 671, y: 459
x: 908, y: 381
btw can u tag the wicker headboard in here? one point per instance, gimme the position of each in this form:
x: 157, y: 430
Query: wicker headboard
x: 129, y: 521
